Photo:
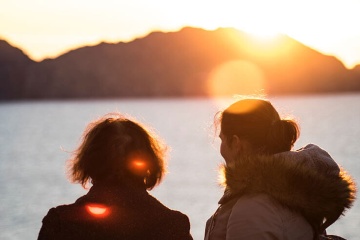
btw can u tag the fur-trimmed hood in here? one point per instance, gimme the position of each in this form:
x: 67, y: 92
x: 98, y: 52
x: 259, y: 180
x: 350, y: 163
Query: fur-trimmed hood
x: 307, y: 181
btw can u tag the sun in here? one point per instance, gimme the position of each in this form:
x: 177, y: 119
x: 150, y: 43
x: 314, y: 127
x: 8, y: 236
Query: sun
x: 262, y: 32
x: 265, y: 36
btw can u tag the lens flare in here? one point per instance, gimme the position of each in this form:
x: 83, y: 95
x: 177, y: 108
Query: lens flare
x: 97, y: 210
x: 236, y: 77
x: 138, y: 164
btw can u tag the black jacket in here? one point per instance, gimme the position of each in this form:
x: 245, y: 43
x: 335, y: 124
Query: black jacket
x: 115, y: 212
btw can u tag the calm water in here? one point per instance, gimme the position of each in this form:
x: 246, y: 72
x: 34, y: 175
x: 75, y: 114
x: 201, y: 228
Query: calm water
x: 35, y: 138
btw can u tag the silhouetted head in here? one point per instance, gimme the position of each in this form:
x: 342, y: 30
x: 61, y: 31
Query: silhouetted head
x: 254, y: 124
x: 116, y: 149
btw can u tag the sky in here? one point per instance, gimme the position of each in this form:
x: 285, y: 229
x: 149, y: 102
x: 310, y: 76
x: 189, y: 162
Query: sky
x: 49, y: 28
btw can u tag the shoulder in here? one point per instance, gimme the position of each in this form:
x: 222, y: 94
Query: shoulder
x: 170, y: 224
x: 179, y: 220
x: 261, y: 217
x: 254, y: 217
x: 51, y: 215
x: 50, y: 225
x: 178, y: 226
x: 61, y: 211
x: 181, y: 217
x: 56, y: 215
x: 175, y: 215
x: 252, y: 202
x: 259, y: 207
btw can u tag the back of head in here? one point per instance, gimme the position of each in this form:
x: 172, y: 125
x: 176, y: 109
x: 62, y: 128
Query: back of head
x: 258, y: 122
x: 117, y: 149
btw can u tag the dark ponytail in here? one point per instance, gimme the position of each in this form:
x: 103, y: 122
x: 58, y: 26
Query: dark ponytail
x: 281, y: 136
x: 258, y: 122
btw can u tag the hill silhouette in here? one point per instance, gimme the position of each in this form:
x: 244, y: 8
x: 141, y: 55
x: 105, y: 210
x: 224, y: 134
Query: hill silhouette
x: 190, y: 62
x: 13, y: 65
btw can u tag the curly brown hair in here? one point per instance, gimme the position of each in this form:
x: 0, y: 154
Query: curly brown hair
x: 115, y: 148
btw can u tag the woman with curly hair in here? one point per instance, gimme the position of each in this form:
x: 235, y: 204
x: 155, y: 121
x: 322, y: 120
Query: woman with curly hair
x: 122, y: 160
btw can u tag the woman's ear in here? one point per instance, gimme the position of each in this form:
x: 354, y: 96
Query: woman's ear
x: 236, y: 143
x: 240, y: 145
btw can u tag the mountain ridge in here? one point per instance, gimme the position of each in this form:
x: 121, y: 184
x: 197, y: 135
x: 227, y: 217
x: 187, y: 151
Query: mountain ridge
x: 179, y: 64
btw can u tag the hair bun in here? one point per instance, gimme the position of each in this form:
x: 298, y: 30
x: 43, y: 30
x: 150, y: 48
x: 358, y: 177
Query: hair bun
x: 282, y: 135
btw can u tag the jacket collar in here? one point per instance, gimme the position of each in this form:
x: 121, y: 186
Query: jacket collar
x: 111, y: 193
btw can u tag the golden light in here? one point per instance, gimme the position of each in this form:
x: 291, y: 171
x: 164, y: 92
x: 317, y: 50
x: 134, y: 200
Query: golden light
x: 260, y: 30
x: 49, y: 28
x: 221, y: 176
x: 236, y: 77
x: 97, y: 210
x: 244, y: 107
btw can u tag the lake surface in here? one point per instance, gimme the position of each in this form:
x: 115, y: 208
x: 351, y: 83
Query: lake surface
x: 36, y: 138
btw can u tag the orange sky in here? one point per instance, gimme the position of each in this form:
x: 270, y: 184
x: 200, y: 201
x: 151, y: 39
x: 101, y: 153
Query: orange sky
x: 48, y: 28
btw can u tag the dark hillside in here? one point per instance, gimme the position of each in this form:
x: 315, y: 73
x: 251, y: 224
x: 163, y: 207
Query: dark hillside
x: 190, y: 62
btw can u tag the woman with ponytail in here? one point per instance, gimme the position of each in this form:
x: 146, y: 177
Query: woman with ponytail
x: 272, y: 191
